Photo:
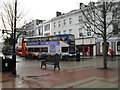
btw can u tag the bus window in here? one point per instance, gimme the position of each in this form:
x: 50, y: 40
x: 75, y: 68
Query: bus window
x: 47, y: 39
x: 44, y: 49
x: 71, y: 38
x: 54, y: 38
x: 50, y: 38
x: 36, y: 49
x: 42, y: 39
x: 58, y: 38
x: 33, y: 49
x: 63, y: 37
x: 64, y: 49
x: 30, y: 49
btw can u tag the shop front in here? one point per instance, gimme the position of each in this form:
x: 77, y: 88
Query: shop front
x: 112, y: 43
x: 118, y: 48
x: 86, y: 46
x: 86, y: 50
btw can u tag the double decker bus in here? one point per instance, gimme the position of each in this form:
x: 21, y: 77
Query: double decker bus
x: 49, y: 44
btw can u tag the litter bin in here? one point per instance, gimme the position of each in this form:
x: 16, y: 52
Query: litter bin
x: 6, y: 64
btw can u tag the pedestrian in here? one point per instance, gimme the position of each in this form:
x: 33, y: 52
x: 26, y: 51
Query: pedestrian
x: 112, y: 54
x: 57, y: 57
x: 56, y: 61
x: 77, y: 55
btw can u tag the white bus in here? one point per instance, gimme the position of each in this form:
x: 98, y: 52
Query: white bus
x: 50, y: 44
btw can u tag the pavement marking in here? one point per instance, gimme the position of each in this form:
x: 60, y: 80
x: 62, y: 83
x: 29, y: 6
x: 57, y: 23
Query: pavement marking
x: 90, y: 82
x: 112, y: 80
x: 97, y: 84
x: 75, y: 83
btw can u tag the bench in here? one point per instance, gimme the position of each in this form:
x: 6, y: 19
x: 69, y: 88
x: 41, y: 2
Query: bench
x: 51, y: 60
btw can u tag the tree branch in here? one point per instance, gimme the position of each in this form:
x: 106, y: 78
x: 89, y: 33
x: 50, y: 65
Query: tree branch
x: 3, y: 22
x: 92, y: 30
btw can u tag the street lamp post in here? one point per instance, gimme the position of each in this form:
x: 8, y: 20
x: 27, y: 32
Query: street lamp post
x: 14, y: 42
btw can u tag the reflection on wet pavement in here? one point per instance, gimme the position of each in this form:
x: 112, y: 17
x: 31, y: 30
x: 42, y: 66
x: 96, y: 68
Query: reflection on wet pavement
x: 83, y: 74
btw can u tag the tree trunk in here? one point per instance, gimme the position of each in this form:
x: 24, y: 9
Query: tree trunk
x: 105, y: 54
x: 104, y: 38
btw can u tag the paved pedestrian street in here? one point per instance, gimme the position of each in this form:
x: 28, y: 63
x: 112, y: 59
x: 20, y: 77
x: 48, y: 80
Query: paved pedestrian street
x: 73, y: 74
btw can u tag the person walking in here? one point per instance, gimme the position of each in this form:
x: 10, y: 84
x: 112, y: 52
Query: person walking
x: 112, y: 54
x: 56, y: 61
x: 77, y: 55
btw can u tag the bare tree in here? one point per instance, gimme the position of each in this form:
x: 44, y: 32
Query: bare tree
x: 7, y: 15
x: 7, y: 18
x: 101, y: 16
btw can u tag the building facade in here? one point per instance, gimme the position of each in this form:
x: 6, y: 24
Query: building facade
x: 72, y: 23
x: 47, y: 27
x: 31, y: 28
x: 114, y: 41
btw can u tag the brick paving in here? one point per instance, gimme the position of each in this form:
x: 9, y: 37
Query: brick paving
x: 73, y: 74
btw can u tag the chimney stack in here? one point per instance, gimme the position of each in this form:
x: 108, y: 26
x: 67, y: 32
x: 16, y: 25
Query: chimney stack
x: 58, y: 14
x: 81, y: 4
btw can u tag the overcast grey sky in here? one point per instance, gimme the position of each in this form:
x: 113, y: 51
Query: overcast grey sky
x: 46, y: 9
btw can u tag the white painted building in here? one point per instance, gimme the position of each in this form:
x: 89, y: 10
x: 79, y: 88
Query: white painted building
x: 31, y: 28
x: 47, y: 28
x: 71, y: 23
x: 114, y: 41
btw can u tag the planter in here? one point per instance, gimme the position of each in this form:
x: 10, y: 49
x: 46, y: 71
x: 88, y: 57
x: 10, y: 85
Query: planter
x: 6, y: 64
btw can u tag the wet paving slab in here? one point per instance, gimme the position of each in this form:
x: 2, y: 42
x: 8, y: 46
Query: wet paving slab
x: 51, y: 79
x: 72, y: 75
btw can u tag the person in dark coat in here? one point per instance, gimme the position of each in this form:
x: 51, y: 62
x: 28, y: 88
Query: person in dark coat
x: 77, y: 55
x: 56, y: 60
x: 57, y: 57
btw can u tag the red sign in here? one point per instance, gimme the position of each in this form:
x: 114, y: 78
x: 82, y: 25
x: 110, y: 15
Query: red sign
x: 88, y: 50
x: 83, y: 50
